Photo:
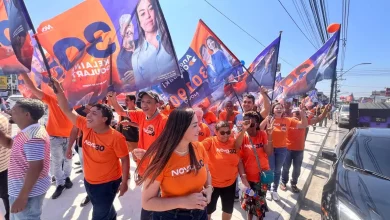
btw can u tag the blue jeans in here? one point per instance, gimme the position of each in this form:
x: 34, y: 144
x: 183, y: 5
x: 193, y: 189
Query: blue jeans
x: 33, y: 209
x: 296, y: 158
x: 102, y: 198
x: 181, y: 214
x: 276, y: 161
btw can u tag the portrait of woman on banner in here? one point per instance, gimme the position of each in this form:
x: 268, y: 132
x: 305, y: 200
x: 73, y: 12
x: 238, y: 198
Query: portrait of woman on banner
x: 219, y: 62
x: 264, y: 71
x: 124, y: 64
x: 153, y: 59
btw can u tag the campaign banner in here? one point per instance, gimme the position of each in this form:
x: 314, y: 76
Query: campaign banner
x: 321, y: 65
x: 9, y: 63
x: 19, y: 32
x: 263, y: 68
x: 105, y: 45
x: 206, y: 66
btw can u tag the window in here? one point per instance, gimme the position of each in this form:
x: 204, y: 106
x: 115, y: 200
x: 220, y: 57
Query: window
x: 371, y: 153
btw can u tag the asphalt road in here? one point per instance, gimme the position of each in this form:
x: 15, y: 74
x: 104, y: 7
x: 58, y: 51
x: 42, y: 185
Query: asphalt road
x: 311, y: 207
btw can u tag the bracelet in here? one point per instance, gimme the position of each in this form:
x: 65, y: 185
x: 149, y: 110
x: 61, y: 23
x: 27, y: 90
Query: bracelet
x: 210, y: 186
x: 243, y: 175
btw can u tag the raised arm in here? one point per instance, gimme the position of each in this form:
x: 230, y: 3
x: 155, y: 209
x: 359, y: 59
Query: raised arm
x: 34, y: 90
x: 269, y: 148
x: 111, y: 97
x: 63, y: 102
x: 267, y: 103
x: 240, y: 138
x: 322, y: 116
x: 303, y: 123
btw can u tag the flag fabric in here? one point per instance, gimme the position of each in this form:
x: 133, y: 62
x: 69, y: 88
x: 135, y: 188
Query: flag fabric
x: 313, y: 95
x: 278, y: 78
x: 322, y: 65
x: 105, y: 45
x: 206, y: 66
x: 263, y: 68
x: 19, y: 32
x: 9, y: 63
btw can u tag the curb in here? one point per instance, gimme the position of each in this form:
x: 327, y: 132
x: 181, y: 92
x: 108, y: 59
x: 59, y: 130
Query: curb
x: 305, y: 187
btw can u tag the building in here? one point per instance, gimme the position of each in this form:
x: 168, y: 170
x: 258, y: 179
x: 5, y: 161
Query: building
x: 8, y: 85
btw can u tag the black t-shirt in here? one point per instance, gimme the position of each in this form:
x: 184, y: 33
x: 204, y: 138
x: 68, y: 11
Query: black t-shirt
x: 130, y: 132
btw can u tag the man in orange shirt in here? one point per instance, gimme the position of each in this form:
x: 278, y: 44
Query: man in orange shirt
x: 295, y: 148
x: 103, y: 148
x: 209, y: 118
x: 59, y: 128
x: 248, y: 103
x: 229, y: 115
x: 204, y: 131
x: 150, y: 122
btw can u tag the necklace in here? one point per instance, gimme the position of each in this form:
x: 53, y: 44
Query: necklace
x: 181, y: 152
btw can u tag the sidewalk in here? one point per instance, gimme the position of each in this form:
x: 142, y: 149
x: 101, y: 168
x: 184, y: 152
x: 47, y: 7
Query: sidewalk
x: 67, y: 206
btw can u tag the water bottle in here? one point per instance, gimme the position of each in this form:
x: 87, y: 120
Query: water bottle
x: 249, y: 192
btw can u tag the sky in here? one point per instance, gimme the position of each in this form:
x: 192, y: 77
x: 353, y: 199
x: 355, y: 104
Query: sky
x: 367, y: 41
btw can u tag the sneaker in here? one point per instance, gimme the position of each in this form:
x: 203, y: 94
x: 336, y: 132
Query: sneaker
x: 79, y: 171
x: 268, y: 196
x: 53, y: 179
x: 283, y: 186
x: 275, y: 196
x: 58, y: 192
x: 68, y: 183
x: 295, y: 189
x: 77, y: 163
x: 85, y: 201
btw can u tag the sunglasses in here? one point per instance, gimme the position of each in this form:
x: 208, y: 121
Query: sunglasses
x: 225, y: 132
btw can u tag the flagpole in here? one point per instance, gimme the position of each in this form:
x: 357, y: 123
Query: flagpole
x: 334, y: 78
x: 276, y: 67
x: 28, y: 19
x: 174, y: 51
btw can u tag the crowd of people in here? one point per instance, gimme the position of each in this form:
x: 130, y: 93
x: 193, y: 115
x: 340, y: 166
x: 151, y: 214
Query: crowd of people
x: 186, y: 158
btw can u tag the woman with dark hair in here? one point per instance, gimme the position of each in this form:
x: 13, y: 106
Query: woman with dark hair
x: 223, y: 151
x: 154, y: 55
x: 262, y: 142
x: 219, y: 60
x: 276, y: 159
x: 179, y: 169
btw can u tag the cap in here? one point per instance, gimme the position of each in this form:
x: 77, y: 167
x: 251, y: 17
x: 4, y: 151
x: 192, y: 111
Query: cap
x: 295, y: 110
x: 151, y: 94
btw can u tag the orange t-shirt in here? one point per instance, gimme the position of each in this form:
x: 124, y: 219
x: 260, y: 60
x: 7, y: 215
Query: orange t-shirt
x: 230, y: 120
x: 167, y: 110
x: 179, y: 179
x: 248, y: 158
x: 210, y: 118
x: 281, y: 126
x: 149, y: 130
x: 296, y: 138
x: 101, y: 153
x: 223, y: 161
x: 204, y: 131
x: 58, y: 124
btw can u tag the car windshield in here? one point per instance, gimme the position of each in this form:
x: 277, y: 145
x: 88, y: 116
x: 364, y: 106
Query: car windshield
x: 371, y: 153
x: 345, y: 109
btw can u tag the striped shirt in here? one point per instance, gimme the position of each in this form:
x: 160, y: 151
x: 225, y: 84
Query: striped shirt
x: 5, y: 153
x: 31, y: 144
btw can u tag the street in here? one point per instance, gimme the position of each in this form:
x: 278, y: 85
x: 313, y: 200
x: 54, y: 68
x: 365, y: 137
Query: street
x: 311, y: 206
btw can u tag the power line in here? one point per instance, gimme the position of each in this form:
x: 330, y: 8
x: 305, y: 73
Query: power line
x: 244, y: 31
x: 296, y: 24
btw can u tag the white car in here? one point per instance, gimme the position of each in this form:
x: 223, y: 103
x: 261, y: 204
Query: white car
x: 343, y: 116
